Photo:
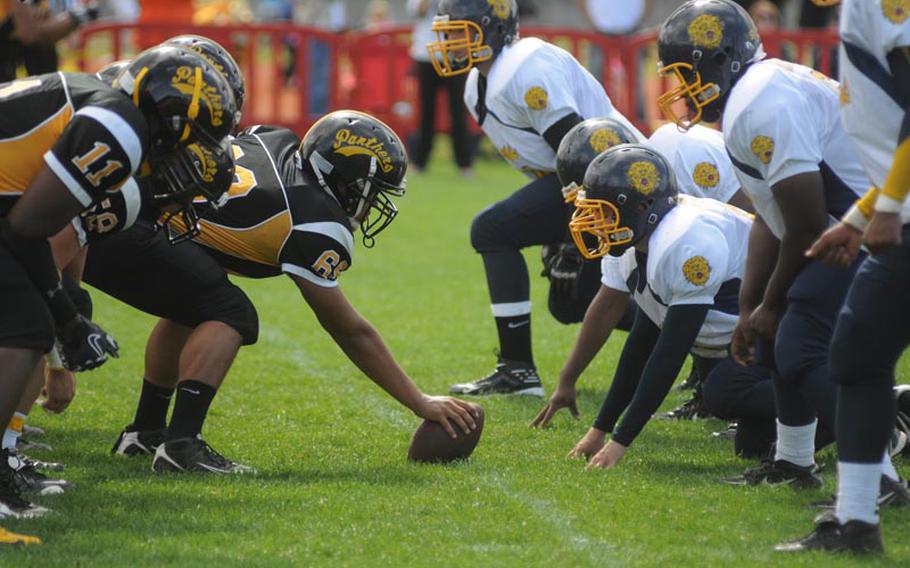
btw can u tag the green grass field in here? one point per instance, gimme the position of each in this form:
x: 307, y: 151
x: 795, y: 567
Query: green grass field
x: 334, y: 487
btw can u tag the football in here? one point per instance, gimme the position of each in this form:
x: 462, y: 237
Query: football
x: 431, y: 443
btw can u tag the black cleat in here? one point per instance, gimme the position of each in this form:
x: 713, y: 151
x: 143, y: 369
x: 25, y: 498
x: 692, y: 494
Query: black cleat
x: 32, y: 431
x: 691, y: 381
x: 47, y: 466
x: 30, y: 480
x: 831, y: 536
x: 194, y: 455
x: 728, y: 433
x: 779, y: 472
x: 507, y: 378
x: 139, y: 442
x: 12, y: 504
x: 892, y: 494
x: 692, y: 409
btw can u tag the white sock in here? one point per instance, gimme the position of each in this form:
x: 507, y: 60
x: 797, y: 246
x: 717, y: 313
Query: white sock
x: 13, y: 431
x: 796, y: 444
x: 858, y: 487
x: 888, y: 467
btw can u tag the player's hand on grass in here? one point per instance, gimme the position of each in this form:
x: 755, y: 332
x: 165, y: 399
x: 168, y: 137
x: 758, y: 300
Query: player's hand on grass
x: 742, y: 346
x: 562, y: 397
x: 609, y: 457
x: 83, y: 345
x: 59, y: 390
x: 838, y: 246
x: 883, y: 232
x: 590, y: 444
x: 447, y: 410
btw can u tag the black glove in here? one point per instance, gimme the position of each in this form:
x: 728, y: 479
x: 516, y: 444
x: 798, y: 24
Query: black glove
x: 84, y: 13
x: 562, y: 264
x: 83, y: 345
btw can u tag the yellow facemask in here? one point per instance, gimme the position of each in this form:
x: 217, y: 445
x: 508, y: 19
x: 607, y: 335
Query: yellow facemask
x: 589, y: 218
x: 467, y: 49
x: 696, y: 95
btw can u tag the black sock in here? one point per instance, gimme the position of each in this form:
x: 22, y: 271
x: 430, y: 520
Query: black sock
x: 190, y: 408
x: 515, y: 338
x: 151, y: 414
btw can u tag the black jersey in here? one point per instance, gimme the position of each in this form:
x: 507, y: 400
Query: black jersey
x: 115, y: 213
x: 277, y: 218
x: 89, y: 134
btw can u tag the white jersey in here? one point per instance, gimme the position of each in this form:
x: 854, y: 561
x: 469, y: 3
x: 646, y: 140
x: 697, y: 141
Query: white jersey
x: 531, y: 85
x: 696, y: 255
x: 699, y: 159
x: 872, y: 107
x: 782, y: 120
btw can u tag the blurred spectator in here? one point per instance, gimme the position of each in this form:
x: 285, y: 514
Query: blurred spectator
x: 377, y: 16
x: 221, y: 12
x: 766, y: 15
x: 275, y: 11
x: 812, y: 16
x: 614, y: 17
x: 124, y: 10
x: 428, y: 84
x: 332, y: 15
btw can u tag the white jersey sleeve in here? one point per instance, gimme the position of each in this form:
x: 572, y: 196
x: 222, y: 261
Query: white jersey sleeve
x: 699, y: 159
x: 616, y: 271
x: 693, y: 269
x: 545, y: 93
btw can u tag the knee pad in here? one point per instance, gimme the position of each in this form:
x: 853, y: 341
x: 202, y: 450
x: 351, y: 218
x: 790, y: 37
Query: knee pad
x: 484, y: 231
x: 231, y: 306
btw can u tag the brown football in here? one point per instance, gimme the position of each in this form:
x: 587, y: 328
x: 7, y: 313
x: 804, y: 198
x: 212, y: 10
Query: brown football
x: 431, y: 443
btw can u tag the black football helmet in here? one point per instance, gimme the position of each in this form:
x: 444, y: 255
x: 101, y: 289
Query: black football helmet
x: 177, y: 180
x: 471, y: 31
x: 360, y: 162
x: 627, y: 191
x: 221, y: 59
x: 581, y: 145
x: 706, y: 45
x: 112, y: 70
x: 183, y: 97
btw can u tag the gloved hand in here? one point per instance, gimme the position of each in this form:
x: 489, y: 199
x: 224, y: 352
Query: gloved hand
x: 562, y: 264
x: 83, y: 345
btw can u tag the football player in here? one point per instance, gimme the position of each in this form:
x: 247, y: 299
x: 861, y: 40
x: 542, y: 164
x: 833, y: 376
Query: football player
x: 871, y: 331
x: 66, y: 140
x: 292, y: 209
x: 690, y: 253
x: 783, y: 132
x: 525, y: 94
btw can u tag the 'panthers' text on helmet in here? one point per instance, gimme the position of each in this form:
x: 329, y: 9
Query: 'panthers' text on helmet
x: 627, y: 191
x: 581, y: 145
x: 361, y: 162
x: 471, y: 31
x: 706, y: 46
x: 218, y: 56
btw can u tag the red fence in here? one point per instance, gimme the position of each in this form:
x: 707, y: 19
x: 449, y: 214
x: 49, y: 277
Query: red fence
x: 296, y: 74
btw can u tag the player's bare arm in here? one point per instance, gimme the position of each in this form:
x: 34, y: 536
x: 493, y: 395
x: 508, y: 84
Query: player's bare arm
x: 763, y: 251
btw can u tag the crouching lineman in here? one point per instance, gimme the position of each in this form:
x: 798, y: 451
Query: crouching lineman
x: 871, y: 331
x: 525, y: 94
x: 292, y: 210
x: 66, y: 139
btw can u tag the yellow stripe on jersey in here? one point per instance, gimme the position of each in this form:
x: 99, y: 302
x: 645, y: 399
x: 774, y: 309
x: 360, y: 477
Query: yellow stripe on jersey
x: 261, y: 243
x: 866, y: 203
x: 897, y: 184
x: 22, y: 156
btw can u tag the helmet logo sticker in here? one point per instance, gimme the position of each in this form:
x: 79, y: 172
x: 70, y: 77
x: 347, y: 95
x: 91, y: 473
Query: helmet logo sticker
x: 896, y: 10
x: 536, y: 98
x: 643, y: 177
x: 763, y: 148
x: 509, y: 153
x: 706, y: 31
x: 705, y: 175
x: 602, y: 139
x: 696, y: 270
x: 501, y: 8
x: 205, y: 162
x: 349, y: 144
x: 184, y: 80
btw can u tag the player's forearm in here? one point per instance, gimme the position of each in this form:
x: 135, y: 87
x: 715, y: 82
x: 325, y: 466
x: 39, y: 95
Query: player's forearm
x: 760, y: 260
x: 32, y: 30
x: 601, y: 318
x: 790, y: 261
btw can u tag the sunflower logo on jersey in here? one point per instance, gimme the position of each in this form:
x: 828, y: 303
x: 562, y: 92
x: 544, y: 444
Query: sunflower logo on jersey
x: 706, y: 31
x: 184, y: 80
x: 706, y: 175
x: 536, y: 98
x: 763, y: 148
x: 643, y: 177
x: 509, y: 153
x: 896, y: 10
x: 501, y: 8
x: 602, y: 139
x: 696, y: 270
x: 844, y: 94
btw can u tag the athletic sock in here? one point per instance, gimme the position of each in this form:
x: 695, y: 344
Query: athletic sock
x: 151, y: 413
x: 857, y: 491
x: 888, y: 468
x: 13, y: 431
x: 190, y: 407
x: 515, y: 338
x: 796, y: 444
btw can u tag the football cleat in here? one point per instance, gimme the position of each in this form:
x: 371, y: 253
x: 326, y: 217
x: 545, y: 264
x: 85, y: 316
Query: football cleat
x: 897, y: 443
x: 32, y: 431
x: 27, y: 445
x: 691, y: 381
x: 505, y: 379
x: 139, y: 442
x: 692, y: 409
x: 9, y: 537
x: 729, y: 432
x: 48, y: 466
x: 831, y: 536
x: 12, y: 504
x: 779, y: 472
x: 194, y: 455
x: 892, y: 494
x: 30, y: 480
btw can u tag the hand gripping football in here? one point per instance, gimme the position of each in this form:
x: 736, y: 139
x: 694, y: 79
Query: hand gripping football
x: 431, y: 443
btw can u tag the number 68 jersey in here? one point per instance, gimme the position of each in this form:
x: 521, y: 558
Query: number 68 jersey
x: 277, y: 218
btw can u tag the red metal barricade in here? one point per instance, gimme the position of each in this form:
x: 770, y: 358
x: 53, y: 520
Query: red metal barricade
x: 295, y: 74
